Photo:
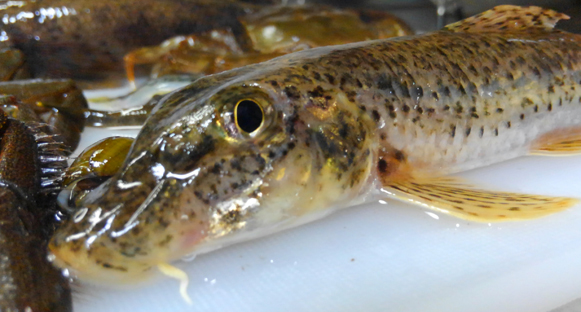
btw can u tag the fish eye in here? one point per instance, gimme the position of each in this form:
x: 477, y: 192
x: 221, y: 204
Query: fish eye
x: 249, y: 115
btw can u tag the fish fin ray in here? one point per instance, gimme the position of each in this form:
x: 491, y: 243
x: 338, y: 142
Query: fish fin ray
x: 509, y: 17
x: 462, y: 200
x: 561, y: 142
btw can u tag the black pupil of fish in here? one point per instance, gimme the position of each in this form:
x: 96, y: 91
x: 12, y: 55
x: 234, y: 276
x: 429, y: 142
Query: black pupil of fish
x: 249, y: 116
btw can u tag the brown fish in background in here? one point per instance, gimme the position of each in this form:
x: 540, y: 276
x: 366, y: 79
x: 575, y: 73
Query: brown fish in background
x: 59, y: 103
x: 27, y: 159
x: 271, y: 31
x: 88, y: 39
x: 266, y: 147
x: 13, y: 65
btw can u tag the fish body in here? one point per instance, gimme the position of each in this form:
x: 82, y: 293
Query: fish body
x: 255, y: 150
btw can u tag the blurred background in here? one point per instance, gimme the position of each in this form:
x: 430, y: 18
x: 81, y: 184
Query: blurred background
x: 422, y: 15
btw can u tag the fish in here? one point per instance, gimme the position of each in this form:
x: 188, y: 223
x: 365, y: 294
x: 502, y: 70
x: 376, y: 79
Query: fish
x: 270, y: 146
x: 85, y: 39
x: 271, y: 31
x: 30, y: 162
x: 30, y: 282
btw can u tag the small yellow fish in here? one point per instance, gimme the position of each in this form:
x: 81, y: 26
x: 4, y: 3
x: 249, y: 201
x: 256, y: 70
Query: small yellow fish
x: 270, y: 146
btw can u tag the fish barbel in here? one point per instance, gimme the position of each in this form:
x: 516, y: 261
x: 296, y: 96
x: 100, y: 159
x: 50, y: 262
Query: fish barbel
x: 262, y: 148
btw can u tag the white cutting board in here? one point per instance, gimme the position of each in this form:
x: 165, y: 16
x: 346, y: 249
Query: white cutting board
x: 386, y: 257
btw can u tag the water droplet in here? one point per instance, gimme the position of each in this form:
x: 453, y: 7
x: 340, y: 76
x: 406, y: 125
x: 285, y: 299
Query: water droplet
x: 189, y: 257
x: 433, y: 215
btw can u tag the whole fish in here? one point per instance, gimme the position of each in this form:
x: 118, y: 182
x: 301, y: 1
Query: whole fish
x: 262, y: 148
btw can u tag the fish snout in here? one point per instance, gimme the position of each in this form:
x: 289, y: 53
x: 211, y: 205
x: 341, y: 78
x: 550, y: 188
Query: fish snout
x: 97, y: 264
x: 87, y: 248
x: 94, y: 245
x: 121, y: 232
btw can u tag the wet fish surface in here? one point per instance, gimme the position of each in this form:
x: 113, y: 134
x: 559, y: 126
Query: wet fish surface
x: 259, y: 149
x: 29, y: 164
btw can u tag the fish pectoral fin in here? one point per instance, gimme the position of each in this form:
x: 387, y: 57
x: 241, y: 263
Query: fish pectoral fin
x: 509, y: 17
x: 454, y: 197
x: 562, y: 142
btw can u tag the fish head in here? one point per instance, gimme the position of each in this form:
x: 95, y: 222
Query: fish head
x: 216, y: 163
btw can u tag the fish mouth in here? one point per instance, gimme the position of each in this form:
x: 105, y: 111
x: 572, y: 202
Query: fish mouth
x: 81, y: 264
x: 86, y: 245
x: 118, y: 237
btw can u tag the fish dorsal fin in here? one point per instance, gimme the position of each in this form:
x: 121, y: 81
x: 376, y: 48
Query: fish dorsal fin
x: 459, y: 199
x: 509, y: 17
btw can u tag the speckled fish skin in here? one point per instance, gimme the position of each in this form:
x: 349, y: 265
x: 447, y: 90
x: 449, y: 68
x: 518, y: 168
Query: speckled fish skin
x: 335, y: 119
